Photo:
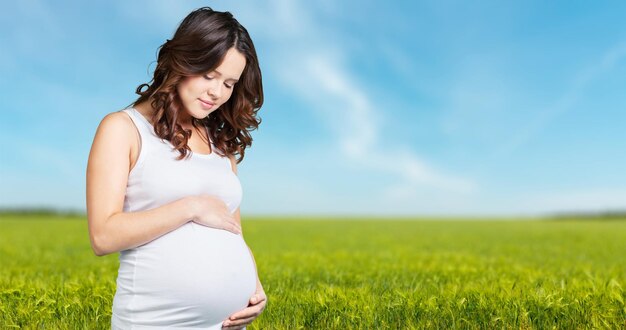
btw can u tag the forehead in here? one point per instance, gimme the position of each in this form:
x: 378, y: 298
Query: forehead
x: 232, y: 65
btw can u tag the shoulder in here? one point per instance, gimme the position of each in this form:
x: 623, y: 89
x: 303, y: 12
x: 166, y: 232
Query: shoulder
x: 115, y: 126
x: 118, y: 120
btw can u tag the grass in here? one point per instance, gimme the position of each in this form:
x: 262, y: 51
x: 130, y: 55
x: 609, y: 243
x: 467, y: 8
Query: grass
x: 391, y: 274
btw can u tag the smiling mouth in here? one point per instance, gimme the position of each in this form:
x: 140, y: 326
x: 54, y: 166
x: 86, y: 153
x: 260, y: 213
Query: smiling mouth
x: 208, y: 104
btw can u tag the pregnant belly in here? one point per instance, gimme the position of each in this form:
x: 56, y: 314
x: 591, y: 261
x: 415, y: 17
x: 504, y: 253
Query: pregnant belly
x: 192, y: 276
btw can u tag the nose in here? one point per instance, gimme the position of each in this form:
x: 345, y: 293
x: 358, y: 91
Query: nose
x: 215, y: 91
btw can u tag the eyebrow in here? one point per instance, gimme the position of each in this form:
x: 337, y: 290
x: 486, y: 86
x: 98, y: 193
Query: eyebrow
x: 233, y: 79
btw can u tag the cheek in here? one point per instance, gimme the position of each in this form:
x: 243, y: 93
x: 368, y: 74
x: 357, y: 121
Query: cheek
x: 228, y: 95
x: 189, y: 89
x: 182, y: 90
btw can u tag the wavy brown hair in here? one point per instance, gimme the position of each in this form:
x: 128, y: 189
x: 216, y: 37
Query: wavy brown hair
x: 199, y: 46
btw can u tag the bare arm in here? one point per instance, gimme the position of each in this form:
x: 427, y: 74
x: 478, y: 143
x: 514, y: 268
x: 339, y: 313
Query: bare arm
x: 108, y: 167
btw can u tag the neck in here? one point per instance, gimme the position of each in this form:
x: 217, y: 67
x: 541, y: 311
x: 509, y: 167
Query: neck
x: 184, y: 119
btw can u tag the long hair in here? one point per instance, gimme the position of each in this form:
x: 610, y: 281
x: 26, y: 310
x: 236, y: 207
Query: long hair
x: 199, y: 46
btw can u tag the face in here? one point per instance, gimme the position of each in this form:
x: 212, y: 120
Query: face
x: 205, y: 93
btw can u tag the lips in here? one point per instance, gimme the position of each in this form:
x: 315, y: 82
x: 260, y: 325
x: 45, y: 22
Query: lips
x: 205, y: 104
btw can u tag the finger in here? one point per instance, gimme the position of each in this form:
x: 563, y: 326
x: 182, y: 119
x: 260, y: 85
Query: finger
x: 257, y: 298
x: 232, y: 227
x: 236, y: 224
x: 233, y: 328
x: 229, y: 217
x: 261, y: 304
x: 237, y: 228
x: 239, y: 322
x: 238, y: 327
x: 247, y: 312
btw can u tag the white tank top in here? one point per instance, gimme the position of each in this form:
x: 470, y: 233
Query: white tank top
x: 195, y: 276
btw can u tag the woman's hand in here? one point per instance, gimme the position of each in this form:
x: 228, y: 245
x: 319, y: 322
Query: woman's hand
x: 245, y: 316
x: 212, y: 212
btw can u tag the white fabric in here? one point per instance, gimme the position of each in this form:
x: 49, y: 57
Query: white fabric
x: 195, y: 276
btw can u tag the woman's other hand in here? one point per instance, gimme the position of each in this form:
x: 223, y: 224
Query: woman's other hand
x: 212, y: 212
x: 244, y: 317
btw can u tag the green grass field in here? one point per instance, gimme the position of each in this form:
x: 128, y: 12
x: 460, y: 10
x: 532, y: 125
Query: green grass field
x: 352, y: 274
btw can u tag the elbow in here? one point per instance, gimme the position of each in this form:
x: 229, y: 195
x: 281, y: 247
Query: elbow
x: 97, y: 249
x: 98, y: 252
x: 100, y: 242
x: 99, y: 246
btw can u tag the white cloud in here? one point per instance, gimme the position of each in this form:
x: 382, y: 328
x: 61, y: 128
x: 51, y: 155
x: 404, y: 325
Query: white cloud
x: 316, y: 71
x: 320, y: 78
x: 336, y: 94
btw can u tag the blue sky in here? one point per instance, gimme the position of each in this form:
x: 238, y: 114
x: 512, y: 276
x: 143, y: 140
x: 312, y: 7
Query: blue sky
x: 413, y: 108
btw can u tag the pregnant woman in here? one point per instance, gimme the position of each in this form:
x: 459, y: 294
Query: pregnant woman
x: 162, y: 185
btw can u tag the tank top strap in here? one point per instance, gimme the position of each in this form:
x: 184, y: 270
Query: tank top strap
x: 145, y: 129
x: 142, y: 124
